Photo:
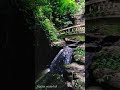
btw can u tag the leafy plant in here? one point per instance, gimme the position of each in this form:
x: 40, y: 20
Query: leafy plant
x: 46, y: 24
x: 79, y: 53
x: 78, y: 84
x: 107, y: 58
x: 64, y: 6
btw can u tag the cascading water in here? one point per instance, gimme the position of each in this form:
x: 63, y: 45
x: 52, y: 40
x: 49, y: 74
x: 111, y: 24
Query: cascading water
x: 63, y: 57
x: 57, y: 65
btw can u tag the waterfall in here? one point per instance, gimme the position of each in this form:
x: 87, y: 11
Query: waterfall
x: 63, y: 57
x: 57, y: 65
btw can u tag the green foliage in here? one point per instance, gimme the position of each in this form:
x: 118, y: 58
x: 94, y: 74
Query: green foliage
x: 46, y: 24
x: 79, y: 53
x: 47, y: 11
x: 107, y: 58
x: 78, y: 84
x: 41, y: 2
x: 111, y: 29
x: 104, y: 78
x: 50, y: 29
x: 106, y: 63
x: 82, y: 3
x: 62, y: 11
x: 51, y: 14
x: 64, y: 6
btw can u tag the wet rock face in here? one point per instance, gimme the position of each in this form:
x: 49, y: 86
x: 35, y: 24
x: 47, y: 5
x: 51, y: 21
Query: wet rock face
x: 42, y: 50
x: 88, y: 61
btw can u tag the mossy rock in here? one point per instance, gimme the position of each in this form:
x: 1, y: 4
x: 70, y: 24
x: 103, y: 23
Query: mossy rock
x: 106, y: 66
x: 111, y: 29
x: 108, y: 76
x: 108, y: 57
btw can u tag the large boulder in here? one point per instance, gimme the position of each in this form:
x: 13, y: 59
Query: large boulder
x: 106, y: 66
x: 108, y: 76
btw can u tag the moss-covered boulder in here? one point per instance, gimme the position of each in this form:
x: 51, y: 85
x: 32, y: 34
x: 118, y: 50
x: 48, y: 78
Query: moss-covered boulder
x: 106, y: 66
